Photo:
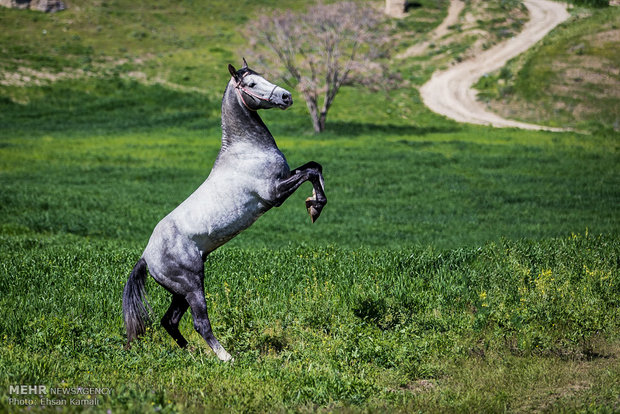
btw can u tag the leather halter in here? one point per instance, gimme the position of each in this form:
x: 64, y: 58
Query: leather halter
x: 239, y: 88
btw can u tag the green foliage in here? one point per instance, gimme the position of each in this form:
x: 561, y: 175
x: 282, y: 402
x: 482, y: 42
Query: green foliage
x: 591, y: 3
x: 443, y: 275
x: 76, y: 159
x: 103, y: 106
x: 509, y: 4
x: 307, y: 326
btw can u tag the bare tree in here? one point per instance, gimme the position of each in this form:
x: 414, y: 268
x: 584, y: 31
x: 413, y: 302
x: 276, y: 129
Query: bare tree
x: 319, y: 51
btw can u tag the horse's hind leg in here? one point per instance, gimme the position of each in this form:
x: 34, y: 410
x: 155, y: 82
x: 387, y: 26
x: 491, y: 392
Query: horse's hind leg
x: 173, y: 316
x: 176, y: 263
x: 198, y: 305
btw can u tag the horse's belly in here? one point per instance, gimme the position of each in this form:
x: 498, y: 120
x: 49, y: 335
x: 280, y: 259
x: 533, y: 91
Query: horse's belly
x: 211, y: 222
x: 228, y: 223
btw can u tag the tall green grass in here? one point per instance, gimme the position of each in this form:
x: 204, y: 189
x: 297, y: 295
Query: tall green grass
x: 455, y: 268
x: 412, y: 290
x: 115, y: 164
x: 318, y: 327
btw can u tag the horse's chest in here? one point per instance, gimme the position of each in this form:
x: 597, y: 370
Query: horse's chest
x: 236, y: 193
x: 269, y: 166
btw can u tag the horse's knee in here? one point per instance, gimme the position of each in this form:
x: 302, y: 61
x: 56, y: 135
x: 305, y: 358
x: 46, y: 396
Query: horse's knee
x: 166, y: 323
x: 203, y: 327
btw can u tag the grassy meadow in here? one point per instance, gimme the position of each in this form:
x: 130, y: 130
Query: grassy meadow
x: 456, y: 268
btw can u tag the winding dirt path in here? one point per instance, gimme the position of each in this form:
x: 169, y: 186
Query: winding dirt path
x: 450, y: 93
x: 452, y: 18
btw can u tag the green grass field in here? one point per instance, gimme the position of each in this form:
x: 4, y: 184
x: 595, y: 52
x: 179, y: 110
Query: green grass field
x: 456, y: 268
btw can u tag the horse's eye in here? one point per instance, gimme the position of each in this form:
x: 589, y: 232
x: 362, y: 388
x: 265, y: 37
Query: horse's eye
x: 252, y: 84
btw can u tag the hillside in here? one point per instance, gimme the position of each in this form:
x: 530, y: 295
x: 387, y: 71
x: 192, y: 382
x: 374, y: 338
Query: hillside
x: 138, y: 41
x: 571, y: 79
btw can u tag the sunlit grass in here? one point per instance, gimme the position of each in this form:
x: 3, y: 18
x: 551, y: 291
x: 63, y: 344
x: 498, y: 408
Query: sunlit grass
x: 455, y: 268
x: 430, y: 181
x: 412, y: 327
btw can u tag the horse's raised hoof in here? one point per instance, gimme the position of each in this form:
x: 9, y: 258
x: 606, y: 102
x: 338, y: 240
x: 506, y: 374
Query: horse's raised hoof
x: 314, y: 208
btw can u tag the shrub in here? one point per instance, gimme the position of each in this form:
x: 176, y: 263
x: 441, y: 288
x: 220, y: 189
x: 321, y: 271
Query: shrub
x: 591, y: 3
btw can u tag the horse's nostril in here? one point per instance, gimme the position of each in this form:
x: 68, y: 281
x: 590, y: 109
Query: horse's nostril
x: 286, y: 97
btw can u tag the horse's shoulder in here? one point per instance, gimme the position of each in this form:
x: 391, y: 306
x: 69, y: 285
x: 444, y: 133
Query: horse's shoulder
x: 253, y: 159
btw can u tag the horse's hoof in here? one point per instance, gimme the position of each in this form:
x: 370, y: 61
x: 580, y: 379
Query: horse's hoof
x: 314, y: 208
x: 224, y: 356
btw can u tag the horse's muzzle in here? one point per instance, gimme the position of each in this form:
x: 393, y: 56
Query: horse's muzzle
x: 284, y: 99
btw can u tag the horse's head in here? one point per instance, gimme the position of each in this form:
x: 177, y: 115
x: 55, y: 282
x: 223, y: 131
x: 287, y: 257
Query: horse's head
x: 257, y: 92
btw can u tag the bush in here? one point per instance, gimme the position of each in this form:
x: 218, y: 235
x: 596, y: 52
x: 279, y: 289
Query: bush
x: 591, y: 3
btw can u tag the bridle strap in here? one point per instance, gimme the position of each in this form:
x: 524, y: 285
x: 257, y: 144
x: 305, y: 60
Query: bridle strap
x: 239, y: 87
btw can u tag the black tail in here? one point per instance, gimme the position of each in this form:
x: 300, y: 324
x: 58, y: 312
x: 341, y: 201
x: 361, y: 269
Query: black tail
x: 135, y: 312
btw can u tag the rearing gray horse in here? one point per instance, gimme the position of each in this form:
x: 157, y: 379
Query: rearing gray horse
x: 249, y: 177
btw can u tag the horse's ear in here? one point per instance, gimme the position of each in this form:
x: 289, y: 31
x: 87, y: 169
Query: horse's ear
x: 245, y: 64
x: 233, y: 71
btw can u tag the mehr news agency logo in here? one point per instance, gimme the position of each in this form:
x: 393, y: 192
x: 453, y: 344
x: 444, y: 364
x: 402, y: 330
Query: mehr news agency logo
x: 42, y: 395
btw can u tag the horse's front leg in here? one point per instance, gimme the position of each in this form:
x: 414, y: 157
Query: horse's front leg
x: 312, y: 172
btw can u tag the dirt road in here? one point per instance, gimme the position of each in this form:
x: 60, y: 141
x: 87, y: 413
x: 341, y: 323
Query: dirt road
x: 452, y: 18
x: 449, y: 92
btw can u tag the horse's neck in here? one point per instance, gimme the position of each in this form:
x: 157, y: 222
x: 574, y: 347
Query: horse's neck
x: 240, y: 125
